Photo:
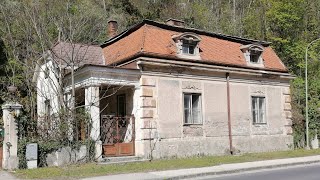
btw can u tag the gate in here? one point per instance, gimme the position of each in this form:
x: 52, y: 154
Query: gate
x: 117, y: 135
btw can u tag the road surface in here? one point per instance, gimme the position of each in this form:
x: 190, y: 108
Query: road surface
x: 301, y: 172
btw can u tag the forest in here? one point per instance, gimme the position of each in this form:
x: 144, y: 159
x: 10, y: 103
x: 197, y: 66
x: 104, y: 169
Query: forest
x: 28, y: 28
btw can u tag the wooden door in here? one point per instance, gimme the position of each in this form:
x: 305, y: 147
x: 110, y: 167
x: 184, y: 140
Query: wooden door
x: 118, y: 136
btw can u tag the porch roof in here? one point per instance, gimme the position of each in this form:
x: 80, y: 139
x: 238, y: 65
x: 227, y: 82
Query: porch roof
x: 97, y: 75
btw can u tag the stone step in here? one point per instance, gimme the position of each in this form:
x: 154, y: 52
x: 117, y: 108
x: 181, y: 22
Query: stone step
x: 120, y: 160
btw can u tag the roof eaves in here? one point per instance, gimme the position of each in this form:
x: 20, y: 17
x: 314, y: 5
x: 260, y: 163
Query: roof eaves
x: 101, y: 66
x: 154, y: 55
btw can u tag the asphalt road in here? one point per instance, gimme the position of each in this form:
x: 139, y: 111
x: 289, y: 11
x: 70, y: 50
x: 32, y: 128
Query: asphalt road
x: 301, y: 172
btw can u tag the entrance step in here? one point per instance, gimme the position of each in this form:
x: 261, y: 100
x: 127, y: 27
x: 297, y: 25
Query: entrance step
x: 120, y: 160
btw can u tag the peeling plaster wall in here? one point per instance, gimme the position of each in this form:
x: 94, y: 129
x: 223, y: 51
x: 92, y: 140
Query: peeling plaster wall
x: 163, y: 130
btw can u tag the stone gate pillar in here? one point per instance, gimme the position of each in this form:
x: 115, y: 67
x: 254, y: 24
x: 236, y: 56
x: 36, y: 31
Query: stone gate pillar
x: 10, y: 143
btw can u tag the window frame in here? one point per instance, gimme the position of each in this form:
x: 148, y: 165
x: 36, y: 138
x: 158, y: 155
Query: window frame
x: 257, y: 53
x: 200, y: 120
x: 188, y: 42
x: 47, y: 107
x: 256, y: 113
x: 188, y: 46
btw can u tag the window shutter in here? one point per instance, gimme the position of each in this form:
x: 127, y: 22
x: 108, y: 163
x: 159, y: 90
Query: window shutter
x: 187, y: 108
x: 196, y: 108
x: 261, y: 109
x: 254, y: 110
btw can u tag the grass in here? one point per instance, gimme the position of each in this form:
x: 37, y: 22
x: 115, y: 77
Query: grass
x: 92, y: 169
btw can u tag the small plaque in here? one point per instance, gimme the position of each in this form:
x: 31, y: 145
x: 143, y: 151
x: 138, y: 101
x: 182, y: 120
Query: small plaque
x: 32, y: 151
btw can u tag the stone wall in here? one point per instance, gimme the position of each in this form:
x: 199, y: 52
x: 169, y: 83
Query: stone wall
x: 66, y: 155
x: 165, y: 134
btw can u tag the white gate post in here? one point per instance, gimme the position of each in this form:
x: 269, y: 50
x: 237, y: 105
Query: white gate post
x: 10, y: 143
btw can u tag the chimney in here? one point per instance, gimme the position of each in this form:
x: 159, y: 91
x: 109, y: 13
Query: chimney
x: 112, y: 28
x: 175, y: 22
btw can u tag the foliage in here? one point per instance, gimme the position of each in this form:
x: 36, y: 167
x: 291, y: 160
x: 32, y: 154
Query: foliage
x: 27, y: 133
x: 22, y: 144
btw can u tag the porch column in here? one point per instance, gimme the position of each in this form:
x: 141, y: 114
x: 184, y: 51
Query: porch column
x: 92, y: 103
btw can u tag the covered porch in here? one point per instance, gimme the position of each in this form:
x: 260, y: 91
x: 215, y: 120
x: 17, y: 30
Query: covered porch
x: 109, y: 96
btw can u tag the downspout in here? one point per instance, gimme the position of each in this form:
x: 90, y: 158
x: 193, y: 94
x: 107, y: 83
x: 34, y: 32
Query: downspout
x: 229, y: 114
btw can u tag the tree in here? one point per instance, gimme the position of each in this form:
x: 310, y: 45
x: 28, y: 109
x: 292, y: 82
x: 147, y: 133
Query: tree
x: 34, y: 30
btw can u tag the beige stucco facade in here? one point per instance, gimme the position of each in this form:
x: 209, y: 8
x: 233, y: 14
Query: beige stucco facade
x: 164, y: 134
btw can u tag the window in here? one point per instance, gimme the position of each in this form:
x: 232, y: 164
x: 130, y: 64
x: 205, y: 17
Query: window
x: 47, y: 108
x: 46, y: 72
x: 188, y: 48
x: 192, y: 109
x: 258, y: 110
x: 188, y: 45
x: 255, y: 56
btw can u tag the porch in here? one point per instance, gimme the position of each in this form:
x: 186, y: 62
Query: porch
x: 109, y: 97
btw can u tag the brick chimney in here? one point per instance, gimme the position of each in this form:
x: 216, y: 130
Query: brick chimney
x: 175, y: 22
x: 112, y: 28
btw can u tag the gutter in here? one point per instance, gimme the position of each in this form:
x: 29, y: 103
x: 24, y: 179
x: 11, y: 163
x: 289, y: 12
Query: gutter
x: 174, y: 60
x: 213, y: 68
x: 229, y: 114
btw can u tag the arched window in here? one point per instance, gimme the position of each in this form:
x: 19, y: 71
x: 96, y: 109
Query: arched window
x: 187, y: 45
x: 253, y: 54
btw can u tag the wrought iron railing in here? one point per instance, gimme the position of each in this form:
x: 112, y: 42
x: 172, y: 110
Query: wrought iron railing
x: 117, y: 129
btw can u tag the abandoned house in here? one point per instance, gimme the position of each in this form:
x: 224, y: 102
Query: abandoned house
x: 164, y: 90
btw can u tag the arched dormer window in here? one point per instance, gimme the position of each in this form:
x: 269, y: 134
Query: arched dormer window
x: 187, y: 45
x: 253, y: 54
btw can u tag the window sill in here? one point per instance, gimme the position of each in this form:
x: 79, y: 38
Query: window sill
x: 259, y: 124
x: 193, y: 124
x: 189, y: 56
x: 252, y: 64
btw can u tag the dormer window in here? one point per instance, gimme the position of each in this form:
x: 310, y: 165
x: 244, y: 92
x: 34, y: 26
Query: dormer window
x: 187, y: 45
x: 253, y: 54
x: 188, y: 48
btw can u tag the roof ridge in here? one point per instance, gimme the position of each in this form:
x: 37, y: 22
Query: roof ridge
x: 182, y: 29
x: 143, y: 38
x: 206, y: 32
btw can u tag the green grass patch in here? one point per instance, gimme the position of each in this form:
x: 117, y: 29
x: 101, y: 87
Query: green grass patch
x: 92, y: 169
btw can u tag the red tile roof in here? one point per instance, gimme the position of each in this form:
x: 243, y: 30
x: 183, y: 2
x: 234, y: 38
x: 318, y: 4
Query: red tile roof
x: 153, y: 38
x: 80, y: 54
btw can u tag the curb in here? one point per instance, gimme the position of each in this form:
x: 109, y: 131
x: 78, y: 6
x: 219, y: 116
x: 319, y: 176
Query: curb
x: 237, y: 170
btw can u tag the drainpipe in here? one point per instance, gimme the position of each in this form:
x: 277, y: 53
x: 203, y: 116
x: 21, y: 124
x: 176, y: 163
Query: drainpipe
x: 229, y: 113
